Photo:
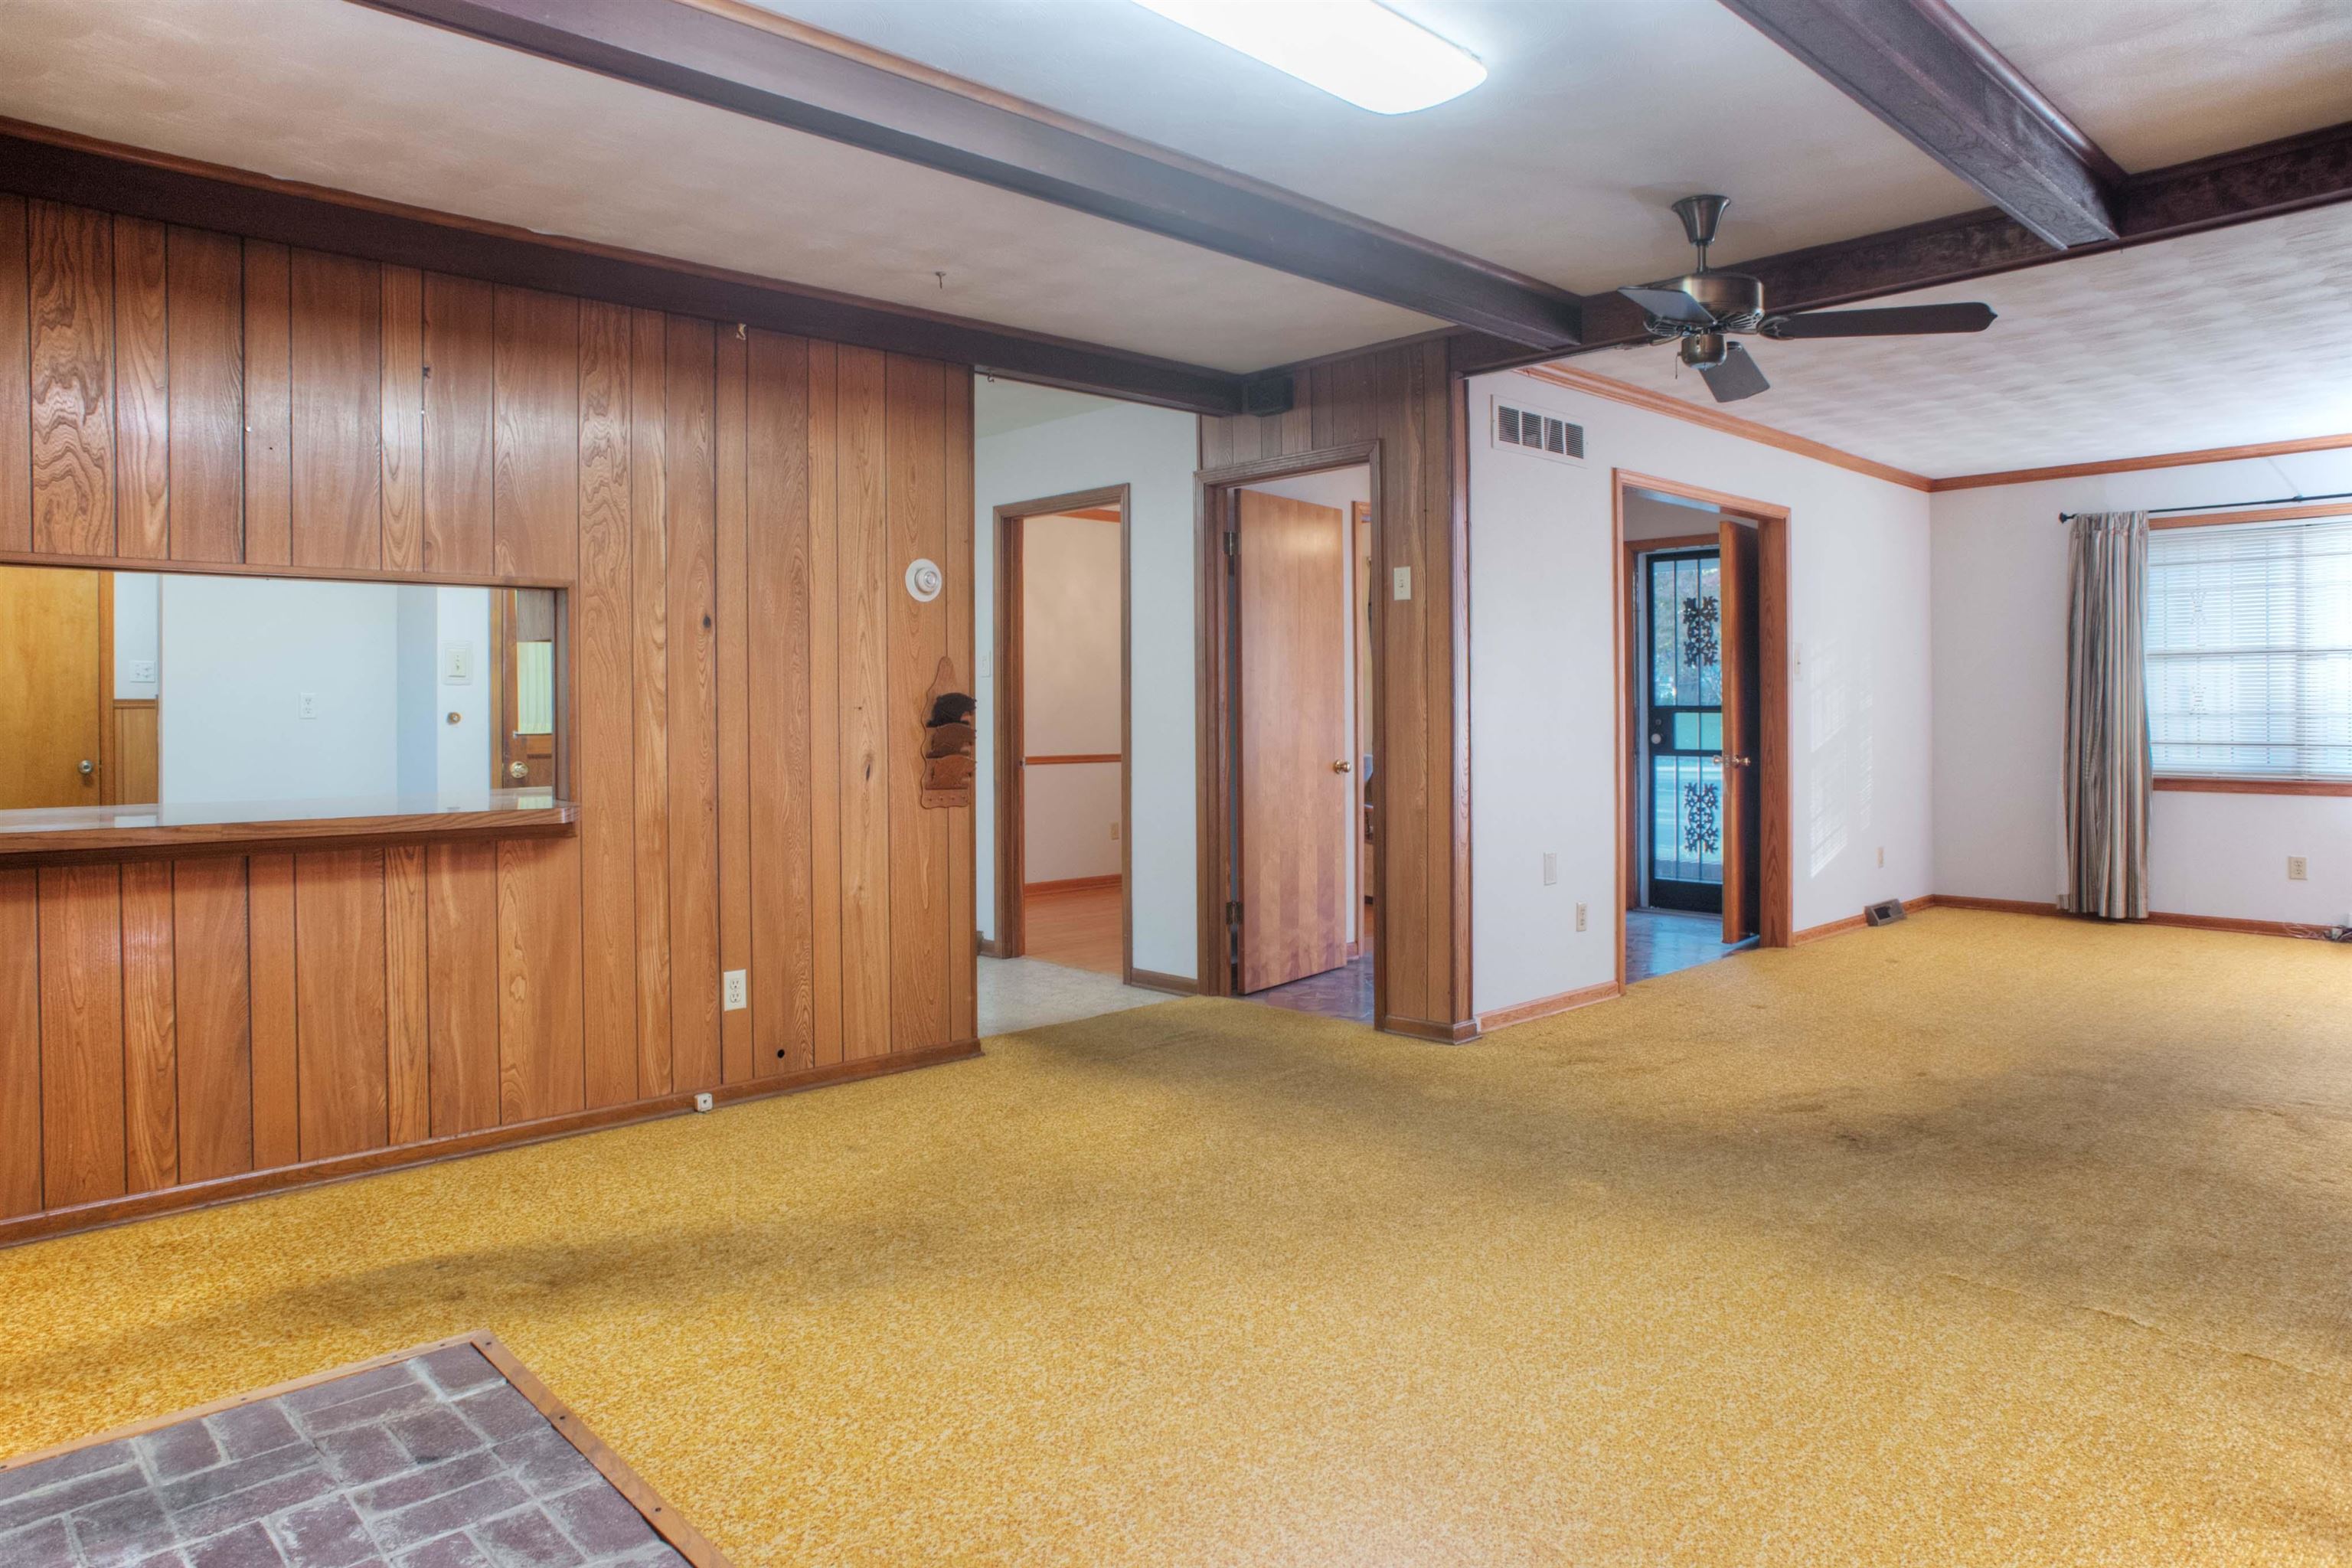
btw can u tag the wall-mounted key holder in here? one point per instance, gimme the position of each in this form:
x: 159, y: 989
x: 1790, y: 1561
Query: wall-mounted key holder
x: 947, y: 736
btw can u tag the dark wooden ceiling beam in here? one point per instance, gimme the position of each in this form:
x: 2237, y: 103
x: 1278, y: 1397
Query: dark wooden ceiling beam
x: 1917, y: 66
x: 2247, y: 185
x: 769, y: 72
x: 170, y: 191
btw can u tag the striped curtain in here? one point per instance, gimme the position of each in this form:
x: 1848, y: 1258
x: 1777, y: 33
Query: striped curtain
x: 2107, y: 773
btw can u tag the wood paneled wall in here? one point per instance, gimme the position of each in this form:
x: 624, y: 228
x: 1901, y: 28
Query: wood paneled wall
x: 1402, y: 398
x: 730, y: 513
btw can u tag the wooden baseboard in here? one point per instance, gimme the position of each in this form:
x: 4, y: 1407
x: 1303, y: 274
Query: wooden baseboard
x: 1999, y: 906
x: 2156, y: 917
x: 1858, y: 923
x: 989, y: 946
x: 342, y: 1167
x: 1546, y: 1006
x: 1069, y: 885
x: 1174, y: 985
x: 1460, y: 1034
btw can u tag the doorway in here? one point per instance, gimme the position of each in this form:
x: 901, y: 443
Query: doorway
x: 1064, y: 793
x: 1702, y: 599
x: 1289, y: 758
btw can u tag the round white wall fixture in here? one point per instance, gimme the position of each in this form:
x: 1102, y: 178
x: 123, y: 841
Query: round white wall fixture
x: 924, y: 581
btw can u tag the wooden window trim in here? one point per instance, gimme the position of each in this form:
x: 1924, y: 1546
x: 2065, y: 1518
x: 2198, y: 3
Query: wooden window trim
x: 2206, y: 784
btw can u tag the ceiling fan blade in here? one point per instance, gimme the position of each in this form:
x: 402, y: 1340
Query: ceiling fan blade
x: 1670, y: 305
x: 1736, y: 377
x: 1895, y: 321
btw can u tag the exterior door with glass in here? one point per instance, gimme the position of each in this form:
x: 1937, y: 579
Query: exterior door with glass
x: 1683, y: 695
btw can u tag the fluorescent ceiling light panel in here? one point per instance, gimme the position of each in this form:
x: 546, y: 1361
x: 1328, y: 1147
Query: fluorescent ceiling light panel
x: 1353, y: 49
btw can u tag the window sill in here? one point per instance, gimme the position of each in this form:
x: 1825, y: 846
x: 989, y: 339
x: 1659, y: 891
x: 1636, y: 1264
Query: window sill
x: 75, y: 835
x: 2257, y: 787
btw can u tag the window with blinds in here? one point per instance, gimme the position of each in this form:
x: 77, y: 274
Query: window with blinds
x: 2249, y: 650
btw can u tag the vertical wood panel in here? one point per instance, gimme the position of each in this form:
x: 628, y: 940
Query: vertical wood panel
x: 777, y: 794
x: 732, y: 600
x: 964, y: 919
x: 270, y: 925
x: 649, y: 612
x: 403, y: 408
x: 213, y: 1012
x: 70, y: 267
x: 860, y: 530
x: 142, y: 393
x: 461, y: 995
x: 337, y: 345
x: 824, y: 711
x: 20, y: 1043
x: 269, y: 419
x: 408, y: 1106
x: 205, y: 333
x: 151, y: 1068
x: 693, y: 728
x: 16, y: 415
x: 540, y: 1067
x: 459, y: 400
x: 536, y: 499
x: 341, y: 1017
x: 603, y: 772
x: 915, y: 502
x: 81, y: 1035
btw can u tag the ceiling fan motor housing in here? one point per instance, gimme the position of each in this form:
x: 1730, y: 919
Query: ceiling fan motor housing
x: 1735, y: 300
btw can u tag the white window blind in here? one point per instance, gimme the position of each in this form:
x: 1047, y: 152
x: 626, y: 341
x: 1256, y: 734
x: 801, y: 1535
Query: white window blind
x: 2249, y: 650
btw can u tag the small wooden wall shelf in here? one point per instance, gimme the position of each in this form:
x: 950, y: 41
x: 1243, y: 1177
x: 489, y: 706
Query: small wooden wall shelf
x: 71, y: 835
x: 948, y: 735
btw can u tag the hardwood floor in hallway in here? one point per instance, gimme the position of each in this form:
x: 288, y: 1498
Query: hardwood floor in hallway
x: 1078, y: 928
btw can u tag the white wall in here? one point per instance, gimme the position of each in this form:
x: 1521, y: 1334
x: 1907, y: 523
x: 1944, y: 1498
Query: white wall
x: 1543, y: 682
x: 135, y: 644
x: 1069, y: 572
x: 1155, y: 451
x: 2000, y: 621
x: 243, y: 650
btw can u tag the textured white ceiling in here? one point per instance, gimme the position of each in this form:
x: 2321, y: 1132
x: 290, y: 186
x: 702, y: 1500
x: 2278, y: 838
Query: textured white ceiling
x: 2156, y: 82
x: 332, y: 93
x: 1595, y: 116
x: 2238, y: 336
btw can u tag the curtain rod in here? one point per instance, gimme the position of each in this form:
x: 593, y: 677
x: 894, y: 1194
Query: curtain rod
x: 2228, y: 505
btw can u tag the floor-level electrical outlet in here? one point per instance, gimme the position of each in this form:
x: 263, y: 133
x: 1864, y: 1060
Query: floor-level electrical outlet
x: 1551, y: 868
x: 702, y: 1102
x: 1580, y: 917
x: 2298, y: 869
x: 737, y: 990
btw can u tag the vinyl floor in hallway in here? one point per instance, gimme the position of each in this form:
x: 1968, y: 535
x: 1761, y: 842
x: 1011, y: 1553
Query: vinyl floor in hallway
x: 1975, y: 1239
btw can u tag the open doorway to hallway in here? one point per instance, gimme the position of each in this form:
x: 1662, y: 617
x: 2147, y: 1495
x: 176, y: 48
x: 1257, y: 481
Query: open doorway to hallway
x: 1702, y: 590
x: 1295, y: 601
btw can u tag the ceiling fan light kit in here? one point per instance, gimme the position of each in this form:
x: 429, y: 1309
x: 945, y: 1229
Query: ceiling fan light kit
x: 1700, y: 310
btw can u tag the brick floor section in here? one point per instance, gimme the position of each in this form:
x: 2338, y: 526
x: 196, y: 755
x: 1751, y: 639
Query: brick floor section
x: 433, y: 1462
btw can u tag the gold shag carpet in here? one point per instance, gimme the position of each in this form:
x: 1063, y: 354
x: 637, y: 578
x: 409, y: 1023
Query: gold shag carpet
x: 1978, y: 1239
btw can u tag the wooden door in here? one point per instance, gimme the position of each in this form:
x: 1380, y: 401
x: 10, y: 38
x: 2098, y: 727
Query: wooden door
x: 1742, y: 733
x: 51, y: 704
x: 528, y: 687
x: 1295, y: 777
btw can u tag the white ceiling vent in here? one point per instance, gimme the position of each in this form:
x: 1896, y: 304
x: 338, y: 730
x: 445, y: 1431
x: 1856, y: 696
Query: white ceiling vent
x: 1536, y: 433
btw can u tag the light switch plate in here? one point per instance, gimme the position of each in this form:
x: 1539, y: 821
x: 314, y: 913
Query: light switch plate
x: 457, y: 663
x: 1400, y: 578
x: 1551, y: 868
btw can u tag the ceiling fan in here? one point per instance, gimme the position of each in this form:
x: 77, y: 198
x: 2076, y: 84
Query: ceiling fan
x: 1703, y: 307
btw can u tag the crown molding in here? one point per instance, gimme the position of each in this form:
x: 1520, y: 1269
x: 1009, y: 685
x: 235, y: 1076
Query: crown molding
x: 2136, y: 465
x: 1642, y: 397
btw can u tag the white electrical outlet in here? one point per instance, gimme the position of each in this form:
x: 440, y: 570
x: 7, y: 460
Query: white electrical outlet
x: 2298, y: 869
x: 1580, y: 917
x: 308, y: 706
x: 737, y: 990
x: 142, y: 670
x: 1400, y: 579
x: 1551, y: 868
x: 701, y: 1102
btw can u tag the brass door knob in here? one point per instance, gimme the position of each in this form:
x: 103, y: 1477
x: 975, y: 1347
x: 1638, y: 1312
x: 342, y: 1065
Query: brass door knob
x: 1738, y: 762
x: 517, y: 771
x: 1339, y: 767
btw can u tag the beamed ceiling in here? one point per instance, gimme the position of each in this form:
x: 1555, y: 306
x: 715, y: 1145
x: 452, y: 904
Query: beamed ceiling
x: 1596, y: 114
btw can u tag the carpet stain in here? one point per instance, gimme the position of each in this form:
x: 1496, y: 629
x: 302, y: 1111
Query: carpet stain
x: 1975, y: 1239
